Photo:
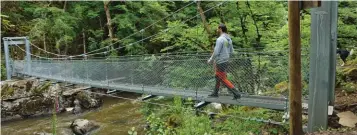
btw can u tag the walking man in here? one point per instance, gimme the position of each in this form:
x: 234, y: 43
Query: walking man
x: 222, y: 51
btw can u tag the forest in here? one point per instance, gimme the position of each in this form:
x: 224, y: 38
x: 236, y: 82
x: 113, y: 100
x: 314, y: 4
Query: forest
x: 259, y: 31
x: 152, y: 27
x: 68, y: 27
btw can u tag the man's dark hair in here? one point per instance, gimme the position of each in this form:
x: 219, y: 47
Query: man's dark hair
x: 223, y: 27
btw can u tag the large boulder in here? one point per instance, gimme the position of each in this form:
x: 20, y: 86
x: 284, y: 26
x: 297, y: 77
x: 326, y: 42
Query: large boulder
x: 12, y: 90
x: 43, y: 133
x: 31, y: 97
x: 11, y: 108
x: 36, y: 105
x: 26, y: 106
x: 87, y: 100
x: 28, y: 97
x: 83, y: 126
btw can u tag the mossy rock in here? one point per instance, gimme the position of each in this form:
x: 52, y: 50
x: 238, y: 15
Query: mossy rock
x: 29, y: 85
x: 350, y: 74
x: 41, y: 89
x: 81, y: 96
x: 87, y: 101
x: 6, y: 91
x: 35, y: 105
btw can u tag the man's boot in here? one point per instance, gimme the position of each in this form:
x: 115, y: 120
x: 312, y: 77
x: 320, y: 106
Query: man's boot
x: 235, y: 93
x: 214, y: 93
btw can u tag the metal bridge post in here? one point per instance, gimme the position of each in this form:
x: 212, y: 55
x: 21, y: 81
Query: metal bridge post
x: 332, y: 67
x: 7, y: 58
x: 28, y: 55
x: 322, y: 63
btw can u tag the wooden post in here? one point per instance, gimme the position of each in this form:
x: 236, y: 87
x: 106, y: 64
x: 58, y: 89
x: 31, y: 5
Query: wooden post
x: 295, y: 68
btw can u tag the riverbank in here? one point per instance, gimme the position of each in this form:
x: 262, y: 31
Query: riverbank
x: 116, y: 116
x: 27, y: 109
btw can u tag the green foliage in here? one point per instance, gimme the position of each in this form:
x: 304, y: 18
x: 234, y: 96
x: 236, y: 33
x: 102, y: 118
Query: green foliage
x: 239, y: 126
x: 132, y: 131
x: 180, y: 119
x: 180, y: 77
x: 347, y: 30
x: 349, y: 87
x: 41, y: 89
x: 195, y: 125
x: 3, y: 72
x: 6, y: 24
x: 62, y: 26
x: 6, y: 90
x: 54, y: 119
x: 157, y: 126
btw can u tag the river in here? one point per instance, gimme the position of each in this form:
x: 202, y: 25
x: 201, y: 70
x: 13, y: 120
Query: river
x: 116, y: 116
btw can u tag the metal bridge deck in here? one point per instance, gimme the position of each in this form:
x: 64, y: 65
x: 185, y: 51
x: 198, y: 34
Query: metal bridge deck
x: 246, y: 100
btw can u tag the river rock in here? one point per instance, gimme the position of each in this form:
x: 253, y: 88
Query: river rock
x: 12, y: 90
x: 27, y: 97
x: 26, y: 106
x: 65, y: 131
x: 83, y: 126
x: 31, y: 97
x: 87, y: 100
x: 77, y: 107
x: 71, y: 92
x: 9, y: 108
x: 43, y: 133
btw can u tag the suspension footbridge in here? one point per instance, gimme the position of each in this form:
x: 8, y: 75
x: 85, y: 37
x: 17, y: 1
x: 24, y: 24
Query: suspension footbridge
x: 260, y: 76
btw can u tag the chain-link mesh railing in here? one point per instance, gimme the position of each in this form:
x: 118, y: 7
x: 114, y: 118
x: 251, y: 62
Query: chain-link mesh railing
x: 253, y: 73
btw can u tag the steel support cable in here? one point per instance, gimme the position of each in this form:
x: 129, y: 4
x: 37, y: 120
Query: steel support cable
x: 188, y: 53
x: 60, y: 55
x: 34, y: 54
x: 71, y: 57
x: 175, y: 12
x: 88, y: 54
x: 269, y: 121
x: 133, y: 43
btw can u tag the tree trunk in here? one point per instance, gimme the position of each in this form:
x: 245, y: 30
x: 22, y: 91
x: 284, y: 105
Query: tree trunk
x: 259, y: 36
x: 44, y: 42
x: 101, y: 25
x: 84, y: 42
x: 107, y: 13
x: 58, y: 48
x: 109, y: 23
x: 64, y: 6
x: 66, y: 48
x: 221, y: 16
x: 242, y: 19
x: 205, y: 24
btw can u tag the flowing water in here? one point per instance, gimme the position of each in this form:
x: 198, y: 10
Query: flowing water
x: 115, y: 117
